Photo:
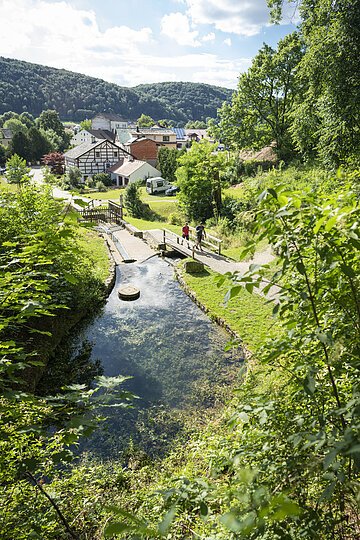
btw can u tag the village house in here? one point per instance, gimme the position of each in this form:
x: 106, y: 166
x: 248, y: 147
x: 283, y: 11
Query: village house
x: 129, y: 171
x: 143, y: 148
x: 5, y: 137
x: 91, y: 136
x: 162, y: 136
x: 95, y: 157
x: 108, y: 121
x: 197, y: 135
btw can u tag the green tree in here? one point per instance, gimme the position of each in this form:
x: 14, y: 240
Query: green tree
x: 267, y: 94
x: 326, y: 124
x: 167, y: 158
x: 132, y: 200
x: 145, y: 121
x: 2, y: 154
x: 39, y: 144
x: 195, y: 124
x: 85, y: 124
x: 20, y: 145
x: 49, y: 121
x: 16, y: 170
x: 16, y: 126
x: 199, y: 177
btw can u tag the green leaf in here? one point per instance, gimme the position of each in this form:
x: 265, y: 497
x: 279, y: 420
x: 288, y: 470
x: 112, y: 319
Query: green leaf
x: 231, y: 522
x: 244, y: 417
x: 116, y: 528
x: 165, y: 524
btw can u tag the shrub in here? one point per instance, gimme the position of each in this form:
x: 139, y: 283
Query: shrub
x: 100, y: 186
x: 104, y: 178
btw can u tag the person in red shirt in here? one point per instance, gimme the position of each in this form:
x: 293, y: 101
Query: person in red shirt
x: 185, y: 234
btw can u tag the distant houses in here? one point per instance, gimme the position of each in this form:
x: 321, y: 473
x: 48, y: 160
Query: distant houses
x: 125, y: 150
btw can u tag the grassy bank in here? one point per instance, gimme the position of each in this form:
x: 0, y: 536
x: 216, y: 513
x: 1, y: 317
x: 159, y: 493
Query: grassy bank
x: 249, y: 315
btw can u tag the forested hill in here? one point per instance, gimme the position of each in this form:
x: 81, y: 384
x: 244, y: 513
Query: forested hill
x: 34, y: 88
x: 196, y: 101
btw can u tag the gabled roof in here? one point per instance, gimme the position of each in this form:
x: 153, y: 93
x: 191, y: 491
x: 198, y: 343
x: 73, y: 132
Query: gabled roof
x: 86, y: 147
x: 201, y: 133
x: 139, y: 139
x: 6, y: 133
x: 110, y: 116
x: 102, y: 134
x: 127, y: 167
x: 153, y: 131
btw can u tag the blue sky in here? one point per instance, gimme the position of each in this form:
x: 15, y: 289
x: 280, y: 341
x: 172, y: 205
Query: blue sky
x: 141, y: 41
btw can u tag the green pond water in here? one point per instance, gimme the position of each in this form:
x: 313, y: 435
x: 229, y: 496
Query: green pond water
x: 171, y: 350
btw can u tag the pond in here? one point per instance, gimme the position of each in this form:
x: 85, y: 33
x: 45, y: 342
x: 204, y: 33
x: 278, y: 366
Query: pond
x: 171, y: 350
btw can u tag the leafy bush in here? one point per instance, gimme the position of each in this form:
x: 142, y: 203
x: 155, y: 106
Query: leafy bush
x: 104, y: 178
x: 100, y: 186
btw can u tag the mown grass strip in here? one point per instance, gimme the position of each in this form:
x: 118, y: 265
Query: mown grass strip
x: 249, y: 315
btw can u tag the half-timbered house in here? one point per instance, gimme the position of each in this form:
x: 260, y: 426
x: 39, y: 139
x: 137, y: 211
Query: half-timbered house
x: 97, y: 157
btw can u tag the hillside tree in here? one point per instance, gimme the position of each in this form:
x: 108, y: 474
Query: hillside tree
x: 266, y: 96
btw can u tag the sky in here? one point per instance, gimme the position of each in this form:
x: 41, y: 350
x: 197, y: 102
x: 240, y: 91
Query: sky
x: 131, y: 42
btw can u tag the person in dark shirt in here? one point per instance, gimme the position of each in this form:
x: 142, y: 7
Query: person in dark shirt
x: 200, y: 234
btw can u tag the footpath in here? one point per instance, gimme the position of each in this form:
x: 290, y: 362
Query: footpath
x: 139, y: 249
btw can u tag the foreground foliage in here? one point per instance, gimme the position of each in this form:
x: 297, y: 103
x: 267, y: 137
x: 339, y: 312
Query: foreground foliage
x: 43, y: 275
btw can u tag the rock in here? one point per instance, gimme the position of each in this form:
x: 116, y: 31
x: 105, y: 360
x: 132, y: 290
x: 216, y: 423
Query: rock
x: 193, y: 267
x: 129, y: 292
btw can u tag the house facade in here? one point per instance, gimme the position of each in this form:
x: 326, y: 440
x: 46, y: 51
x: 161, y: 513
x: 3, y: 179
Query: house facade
x: 108, y: 121
x: 97, y: 157
x: 143, y: 149
x: 130, y: 171
x: 91, y: 136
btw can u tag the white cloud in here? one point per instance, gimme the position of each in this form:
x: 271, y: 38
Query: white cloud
x: 227, y: 42
x: 177, y: 27
x: 208, y: 37
x: 243, y: 17
x: 56, y: 34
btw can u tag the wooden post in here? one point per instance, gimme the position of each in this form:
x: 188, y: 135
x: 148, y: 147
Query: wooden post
x: 193, y: 252
x: 164, y: 236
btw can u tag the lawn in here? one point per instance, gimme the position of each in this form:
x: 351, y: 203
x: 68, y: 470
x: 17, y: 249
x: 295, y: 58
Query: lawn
x: 247, y: 314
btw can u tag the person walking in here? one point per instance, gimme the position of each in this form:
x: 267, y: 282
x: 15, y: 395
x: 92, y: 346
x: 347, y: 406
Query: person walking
x: 185, y: 234
x: 200, y: 234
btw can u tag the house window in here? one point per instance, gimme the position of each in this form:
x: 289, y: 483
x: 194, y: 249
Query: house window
x: 97, y: 154
x: 166, y: 138
x: 115, y: 154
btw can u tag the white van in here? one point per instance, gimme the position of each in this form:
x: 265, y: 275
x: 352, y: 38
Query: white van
x: 157, y: 185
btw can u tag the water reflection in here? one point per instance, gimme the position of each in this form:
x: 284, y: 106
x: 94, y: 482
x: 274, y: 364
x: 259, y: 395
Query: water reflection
x: 162, y: 340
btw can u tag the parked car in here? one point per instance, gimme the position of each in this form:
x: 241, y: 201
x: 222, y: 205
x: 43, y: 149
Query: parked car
x: 171, y: 191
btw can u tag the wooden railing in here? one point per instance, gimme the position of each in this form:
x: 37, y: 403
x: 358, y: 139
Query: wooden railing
x: 213, y: 243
